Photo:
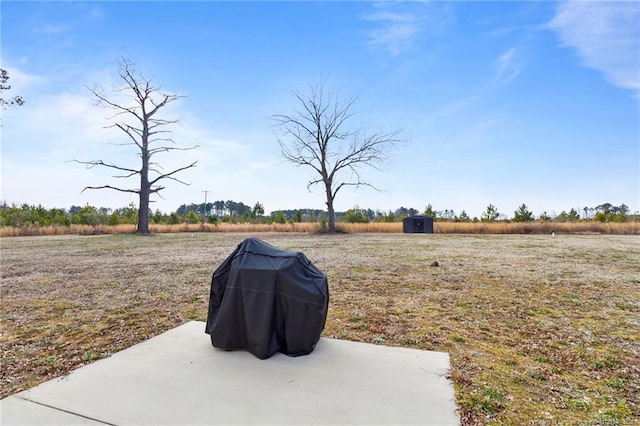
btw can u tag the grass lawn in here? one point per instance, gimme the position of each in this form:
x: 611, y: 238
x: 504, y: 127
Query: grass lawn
x: 537, y: 327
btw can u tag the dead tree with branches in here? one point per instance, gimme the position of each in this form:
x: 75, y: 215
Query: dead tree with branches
x: 317, y: 135
x: 145, y: 130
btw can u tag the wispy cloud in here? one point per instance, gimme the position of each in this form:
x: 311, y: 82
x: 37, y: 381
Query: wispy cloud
x: 395, y: 32
x: 508, y: 65
x: 79, y: 15
x: 50, y: 29
x: 399, y: 24
x: 606, y: 36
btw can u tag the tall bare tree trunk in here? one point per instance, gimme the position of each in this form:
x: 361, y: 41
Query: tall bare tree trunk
x: 330, y: 211
x: 145, y: 192
x: 143, y: 214
x: 145, y: 186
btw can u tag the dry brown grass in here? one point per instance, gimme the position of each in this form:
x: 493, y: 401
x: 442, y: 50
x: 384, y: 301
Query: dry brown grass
x: 537, y: 327
x: 628, y: 228
x: 237, y: 227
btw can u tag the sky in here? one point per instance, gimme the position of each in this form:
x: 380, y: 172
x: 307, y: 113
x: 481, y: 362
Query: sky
x: 499, y: 103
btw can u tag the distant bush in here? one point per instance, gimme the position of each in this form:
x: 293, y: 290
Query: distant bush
x: 355, y: 216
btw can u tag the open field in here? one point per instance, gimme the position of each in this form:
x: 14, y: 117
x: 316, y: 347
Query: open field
x: 537, y: 327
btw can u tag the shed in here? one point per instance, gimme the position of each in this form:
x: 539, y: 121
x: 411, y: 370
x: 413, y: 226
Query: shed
x: 417, y: 225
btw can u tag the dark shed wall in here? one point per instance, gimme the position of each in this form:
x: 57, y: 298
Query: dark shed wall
x: 417, y: 225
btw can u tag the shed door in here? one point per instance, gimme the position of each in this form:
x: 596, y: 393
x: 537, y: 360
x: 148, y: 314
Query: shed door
x: 418, y: 225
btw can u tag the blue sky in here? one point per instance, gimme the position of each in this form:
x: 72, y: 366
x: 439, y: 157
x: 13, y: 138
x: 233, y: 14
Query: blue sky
x: 500, y: 102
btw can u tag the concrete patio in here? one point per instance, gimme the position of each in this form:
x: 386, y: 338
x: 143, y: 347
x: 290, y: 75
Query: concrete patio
x: 178, y: 378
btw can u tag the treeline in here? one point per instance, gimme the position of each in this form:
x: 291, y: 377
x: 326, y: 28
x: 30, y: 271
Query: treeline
x: 216, y: 212
x: 237, y: 212
x: 30, y: 215
x: 231, y: 211
x: 606, y: 212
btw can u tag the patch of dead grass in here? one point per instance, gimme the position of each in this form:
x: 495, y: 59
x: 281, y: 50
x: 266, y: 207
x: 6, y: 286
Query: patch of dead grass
x: 538, y: 328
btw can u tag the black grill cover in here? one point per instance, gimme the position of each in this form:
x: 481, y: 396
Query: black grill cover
x: 267, y: 300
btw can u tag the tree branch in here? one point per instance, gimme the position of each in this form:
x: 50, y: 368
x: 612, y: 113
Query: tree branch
x: 169, y: 175
x: 156, y: 150
x: 92, y: 164
x: 135, y: 191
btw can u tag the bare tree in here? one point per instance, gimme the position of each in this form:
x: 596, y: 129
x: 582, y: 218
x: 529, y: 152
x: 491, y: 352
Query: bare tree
x: 317, y: 135
x: 145, y: 130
